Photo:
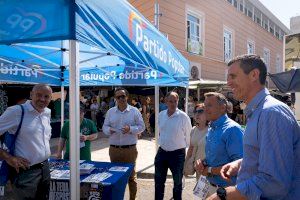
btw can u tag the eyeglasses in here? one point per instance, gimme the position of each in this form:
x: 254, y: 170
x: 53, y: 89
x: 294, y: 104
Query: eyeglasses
x: 121, y: 97
x: 199, y: 111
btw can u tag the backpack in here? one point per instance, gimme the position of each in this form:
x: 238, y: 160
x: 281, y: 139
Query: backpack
x: 8, y: 144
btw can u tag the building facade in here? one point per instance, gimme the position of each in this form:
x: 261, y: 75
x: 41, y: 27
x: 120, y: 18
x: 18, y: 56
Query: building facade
x: 210, y: 33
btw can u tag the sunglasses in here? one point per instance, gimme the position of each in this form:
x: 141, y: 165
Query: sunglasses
x: 199, y: 111
x: 121, y: 97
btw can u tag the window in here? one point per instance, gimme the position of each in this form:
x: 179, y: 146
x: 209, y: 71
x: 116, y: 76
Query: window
x: 235, y: 3
x: 194, y: 34
x: 249, y: 13
x: 271, y: 30
x: 257, y: 20
x: 267, y: 58
x: 250, y: 47
x: 241, y: 7
x: 228, y: 41
x: 278, y: 64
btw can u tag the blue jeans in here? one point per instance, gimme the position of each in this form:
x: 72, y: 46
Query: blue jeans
x: 174, y: 160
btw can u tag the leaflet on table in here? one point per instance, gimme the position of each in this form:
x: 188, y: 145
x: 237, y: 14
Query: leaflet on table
x: 86, y: 168
x: 97, y: 178
x: 61, y: 164
x: 118, y: 169
x: 60, y: 174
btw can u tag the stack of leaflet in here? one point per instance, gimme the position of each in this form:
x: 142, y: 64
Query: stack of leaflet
x: 60, y: 174
x: 86, y: 168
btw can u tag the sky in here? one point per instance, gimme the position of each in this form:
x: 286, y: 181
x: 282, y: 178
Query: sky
x: 283, y: 9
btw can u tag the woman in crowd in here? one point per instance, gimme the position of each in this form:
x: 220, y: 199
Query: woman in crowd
x: 197, y: 145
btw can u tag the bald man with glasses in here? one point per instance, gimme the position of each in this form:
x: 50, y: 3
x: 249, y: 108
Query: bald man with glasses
x: 123, y: 123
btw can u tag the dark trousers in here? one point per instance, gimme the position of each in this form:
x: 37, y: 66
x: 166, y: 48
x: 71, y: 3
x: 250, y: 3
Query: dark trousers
x: 174, y: 160
x: 32, y: 183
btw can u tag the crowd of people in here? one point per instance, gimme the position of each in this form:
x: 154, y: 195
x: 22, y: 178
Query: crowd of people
x: 261, y: 161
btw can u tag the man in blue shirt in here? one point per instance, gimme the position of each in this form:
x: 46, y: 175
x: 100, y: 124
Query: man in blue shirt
x: 271, y: 162
x: 224, y: 141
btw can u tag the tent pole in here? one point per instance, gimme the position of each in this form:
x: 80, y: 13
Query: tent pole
x: 62, y: 106
x: 74, y: 120
x: 156, y: 89
x: 186, y: 98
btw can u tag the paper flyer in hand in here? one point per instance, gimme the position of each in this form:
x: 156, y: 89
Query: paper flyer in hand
x: 97, y: 178
x: 202, y: 188
x: 118, y: 169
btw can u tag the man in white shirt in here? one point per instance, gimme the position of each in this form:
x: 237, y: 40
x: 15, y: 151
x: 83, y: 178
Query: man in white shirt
x: 123, y: 123
x: 32, y: 149
x: 174, y: 137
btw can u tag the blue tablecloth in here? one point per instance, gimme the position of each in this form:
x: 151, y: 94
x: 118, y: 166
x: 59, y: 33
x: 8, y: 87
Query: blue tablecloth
x: 111, y: 188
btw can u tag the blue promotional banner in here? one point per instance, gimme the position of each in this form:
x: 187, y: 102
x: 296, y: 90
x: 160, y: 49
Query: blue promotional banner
x: 107, y: 31
x: 31, y: 63
x: 119, y: 28
x: 35, y: 20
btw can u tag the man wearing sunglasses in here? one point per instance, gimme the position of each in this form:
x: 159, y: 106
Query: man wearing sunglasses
x: 123, y: 123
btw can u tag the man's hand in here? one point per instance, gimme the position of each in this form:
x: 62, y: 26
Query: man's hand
x: 230, y: 169
x: 126, y: 129
x: 213, y: 197
x: 18, y: 162
x: 58, y: 156
x: 199, y: 167
x: 231, y: 194
x: 83, y: 138
x: 112, y: 131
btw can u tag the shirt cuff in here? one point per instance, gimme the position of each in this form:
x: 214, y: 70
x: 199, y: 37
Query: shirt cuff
x: 133, y: 129
x: 249, y: 190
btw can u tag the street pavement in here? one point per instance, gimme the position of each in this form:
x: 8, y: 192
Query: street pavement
x: 144, y: 167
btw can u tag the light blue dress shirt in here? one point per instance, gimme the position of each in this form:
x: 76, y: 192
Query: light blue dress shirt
x: 271, y: 165
x: 117, y: 119
x: 224, y: 144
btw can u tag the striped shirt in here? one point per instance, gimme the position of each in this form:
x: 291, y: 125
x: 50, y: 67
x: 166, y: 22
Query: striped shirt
x: 271, y: 162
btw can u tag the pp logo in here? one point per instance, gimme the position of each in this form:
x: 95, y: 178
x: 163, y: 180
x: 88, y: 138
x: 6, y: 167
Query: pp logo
x: 94, y: 195
x: 26, y: 20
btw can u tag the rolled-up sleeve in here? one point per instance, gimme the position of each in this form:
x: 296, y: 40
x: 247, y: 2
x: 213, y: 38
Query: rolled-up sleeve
x: 275, y: 167
x: 139, y: 123
x: 187, y: 130
x: 9, y: 120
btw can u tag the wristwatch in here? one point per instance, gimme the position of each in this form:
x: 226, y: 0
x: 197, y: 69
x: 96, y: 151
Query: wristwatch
x: 209, y: 171
x: 221, y: 192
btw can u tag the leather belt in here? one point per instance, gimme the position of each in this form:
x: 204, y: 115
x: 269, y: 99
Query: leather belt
x: 123, y: 146
x: 214, y: 185
x: 39, y: 165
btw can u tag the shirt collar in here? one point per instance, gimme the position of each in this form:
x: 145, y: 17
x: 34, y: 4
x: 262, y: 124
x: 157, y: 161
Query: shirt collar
x: 174, y: 114
x: 219, y: 121
x: 126, y: 109
x: 30, y: 107
x: 255, y: 101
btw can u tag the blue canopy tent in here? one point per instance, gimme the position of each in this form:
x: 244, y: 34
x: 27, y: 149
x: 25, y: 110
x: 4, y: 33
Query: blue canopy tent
x: 111, y: 28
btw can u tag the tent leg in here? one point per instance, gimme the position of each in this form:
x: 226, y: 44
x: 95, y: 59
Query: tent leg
x: 74, y: 120
x: 186, y: 99
x: 156, y: 88
x: 62, y: 105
